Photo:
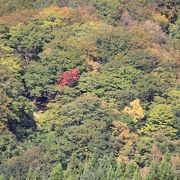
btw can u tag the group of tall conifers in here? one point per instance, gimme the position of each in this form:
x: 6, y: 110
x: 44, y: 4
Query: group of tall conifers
x: 104, y: 169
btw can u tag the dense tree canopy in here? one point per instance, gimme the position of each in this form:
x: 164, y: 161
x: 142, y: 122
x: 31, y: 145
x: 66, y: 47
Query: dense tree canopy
x: 89, y: 89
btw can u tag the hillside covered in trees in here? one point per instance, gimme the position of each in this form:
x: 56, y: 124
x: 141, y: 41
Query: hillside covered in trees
x: 89, y: 90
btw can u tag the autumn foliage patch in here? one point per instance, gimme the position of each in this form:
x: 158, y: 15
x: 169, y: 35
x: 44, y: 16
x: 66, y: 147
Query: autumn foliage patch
x: 69, y: 78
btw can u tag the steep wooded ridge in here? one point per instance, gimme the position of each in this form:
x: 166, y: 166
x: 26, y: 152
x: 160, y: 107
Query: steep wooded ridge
x: 89, y: 89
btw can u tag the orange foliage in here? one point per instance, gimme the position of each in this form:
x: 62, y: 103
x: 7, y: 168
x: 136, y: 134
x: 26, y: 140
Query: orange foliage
x: 156, y: 52
x: 121, y: 130
x: 156, y: 153
x: 144, y: 171
x: 81, y: 14
x: 62, y: 12
x: 126, y: 20
x: 20, y: 16
x: 84, y: 14
x: 157, y: 35
x: 141, y: 37
x: 48, y: 51
x: 175, y: 161
x: 31, y: 156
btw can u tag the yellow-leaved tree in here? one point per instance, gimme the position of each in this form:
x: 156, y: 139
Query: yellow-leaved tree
x: 135, y: 109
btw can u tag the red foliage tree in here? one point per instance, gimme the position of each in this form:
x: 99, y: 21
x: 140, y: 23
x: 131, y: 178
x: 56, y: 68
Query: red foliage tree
x: 69, y: 78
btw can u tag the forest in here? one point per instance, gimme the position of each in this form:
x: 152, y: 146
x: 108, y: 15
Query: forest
x: 89, y: 90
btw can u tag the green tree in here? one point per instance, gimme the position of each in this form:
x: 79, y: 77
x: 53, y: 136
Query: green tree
x: 106, y: 167
x: 174, y: 100
x: 28, y: 41
x: 131, y: 168
x: 31, y: 175
x: 166, y: 169
x: 160, y: 118
x: 11, y: 178
x: 107, y: 82
x: 2, y: 177
x: 141, y: 59
x: 154, y: 172
x: 120, y: 170
x: 136, y: 175
x: 16, y: 110
x: 82, y: 126
x: 109, y: 10
x: 174, y: 31
x: 38, y: 80
x: 8, y: 6
x: 57, y: 173
x: 74, y: 168
x: 112, y: 44
x: 90, y: 169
